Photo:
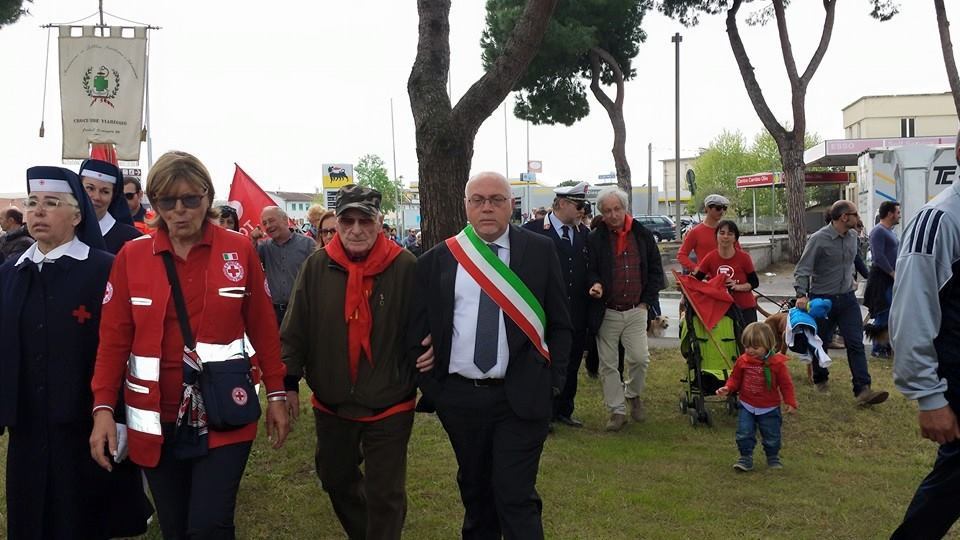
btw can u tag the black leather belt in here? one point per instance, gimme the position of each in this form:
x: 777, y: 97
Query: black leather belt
x: 624, y: 308
x: 476, y: 382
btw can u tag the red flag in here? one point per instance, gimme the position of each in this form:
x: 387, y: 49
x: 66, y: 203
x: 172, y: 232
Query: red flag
x: 710, y: 300
x: 248, y: 199
x: 104, y: 152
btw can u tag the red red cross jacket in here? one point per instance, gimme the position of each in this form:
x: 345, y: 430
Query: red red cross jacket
x: 236, y: 304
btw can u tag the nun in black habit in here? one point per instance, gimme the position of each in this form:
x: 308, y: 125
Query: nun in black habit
x: 103, y: 183
x: 50, y: 300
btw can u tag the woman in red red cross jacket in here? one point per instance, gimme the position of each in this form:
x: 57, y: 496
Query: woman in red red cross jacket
x: 142, y: 348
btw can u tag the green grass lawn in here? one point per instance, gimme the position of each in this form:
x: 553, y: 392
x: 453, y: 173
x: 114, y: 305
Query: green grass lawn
x: 850, y: 473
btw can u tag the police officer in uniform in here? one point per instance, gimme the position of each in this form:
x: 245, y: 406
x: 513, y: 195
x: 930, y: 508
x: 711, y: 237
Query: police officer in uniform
x: 562, y: 225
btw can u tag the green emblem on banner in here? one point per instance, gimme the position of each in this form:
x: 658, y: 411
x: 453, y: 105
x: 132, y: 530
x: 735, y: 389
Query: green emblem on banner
x: 101, y: 86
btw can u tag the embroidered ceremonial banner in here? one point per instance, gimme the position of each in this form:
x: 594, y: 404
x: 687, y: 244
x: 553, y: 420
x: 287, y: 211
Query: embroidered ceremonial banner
x: 101, y: 90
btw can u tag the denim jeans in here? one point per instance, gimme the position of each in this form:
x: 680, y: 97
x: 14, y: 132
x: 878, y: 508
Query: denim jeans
x: 845, y: 312
x: 882, y: 319
x: 769, y: 425
x: 934, y: 507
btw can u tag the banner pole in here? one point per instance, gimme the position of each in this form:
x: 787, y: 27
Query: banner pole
x: 146, y: 95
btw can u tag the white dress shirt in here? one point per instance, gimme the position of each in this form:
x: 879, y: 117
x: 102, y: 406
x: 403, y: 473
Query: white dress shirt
x: 558, y: 227
x: 106, y: 223
x: 466, y: 304
x: 74, y: 249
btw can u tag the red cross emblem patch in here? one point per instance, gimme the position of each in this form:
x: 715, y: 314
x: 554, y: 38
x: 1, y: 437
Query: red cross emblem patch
x: 239, y: 396
x: 81, y: 314
x: 233, y: 270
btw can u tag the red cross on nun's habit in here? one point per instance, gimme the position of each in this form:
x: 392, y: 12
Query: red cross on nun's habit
x: 81, y: 314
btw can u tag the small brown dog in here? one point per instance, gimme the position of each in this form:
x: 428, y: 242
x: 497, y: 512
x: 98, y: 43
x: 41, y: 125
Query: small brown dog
x: 778, y: 323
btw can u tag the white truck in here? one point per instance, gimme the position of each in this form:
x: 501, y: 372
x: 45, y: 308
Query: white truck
x: 910, y: 175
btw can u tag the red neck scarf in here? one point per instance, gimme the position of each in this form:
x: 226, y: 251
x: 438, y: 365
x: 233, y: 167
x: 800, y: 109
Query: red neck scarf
x: 356, y: 305
x: 622, y: 234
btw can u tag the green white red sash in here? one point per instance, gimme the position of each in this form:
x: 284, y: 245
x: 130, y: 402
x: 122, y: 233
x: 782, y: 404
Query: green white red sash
x: 502, y: 285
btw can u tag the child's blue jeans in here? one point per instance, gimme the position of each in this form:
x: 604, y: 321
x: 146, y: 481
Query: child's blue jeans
x: 769, y: 426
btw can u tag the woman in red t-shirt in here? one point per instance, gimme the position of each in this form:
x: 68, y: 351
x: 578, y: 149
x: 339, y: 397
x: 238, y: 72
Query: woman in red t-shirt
x: 736, y: 265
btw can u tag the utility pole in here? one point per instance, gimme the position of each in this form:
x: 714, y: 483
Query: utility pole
x: 396, y: 186
x: 649, y: 179
x: 506, y: 147
x: 527, y: 187
x: 677, y: 39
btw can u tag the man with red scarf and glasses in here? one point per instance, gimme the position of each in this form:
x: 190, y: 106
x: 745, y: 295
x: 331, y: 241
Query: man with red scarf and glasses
x: 627, y: 277
x: 345, y: 330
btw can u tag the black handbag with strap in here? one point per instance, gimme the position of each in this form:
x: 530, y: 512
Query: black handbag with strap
x: 226, y: 386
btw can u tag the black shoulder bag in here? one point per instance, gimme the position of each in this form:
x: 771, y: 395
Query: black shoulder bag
x: 228, y: 394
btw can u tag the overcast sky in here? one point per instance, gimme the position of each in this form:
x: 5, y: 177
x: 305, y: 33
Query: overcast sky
x: 283, y: 86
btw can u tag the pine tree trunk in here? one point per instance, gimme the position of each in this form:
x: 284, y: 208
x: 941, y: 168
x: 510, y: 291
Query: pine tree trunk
x: 620, y: 154
x: 943, y: 26
x: 793, y: 177
x: 444, y: 166
x: 614, y: 108
x: 445, y: 133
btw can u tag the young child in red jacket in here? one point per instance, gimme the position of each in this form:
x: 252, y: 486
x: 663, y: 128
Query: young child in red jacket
x: 763, y: 380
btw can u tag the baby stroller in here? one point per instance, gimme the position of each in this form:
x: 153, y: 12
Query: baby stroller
x: 710, y: 342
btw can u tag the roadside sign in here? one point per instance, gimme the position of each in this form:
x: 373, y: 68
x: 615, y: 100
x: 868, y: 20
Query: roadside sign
x: 528, y: 177
x: 534, y: 166
x: 610, y: 176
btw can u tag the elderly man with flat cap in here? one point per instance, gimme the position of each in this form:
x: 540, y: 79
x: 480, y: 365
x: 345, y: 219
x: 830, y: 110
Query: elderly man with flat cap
x: 345, y: 331
x: 562, y: 226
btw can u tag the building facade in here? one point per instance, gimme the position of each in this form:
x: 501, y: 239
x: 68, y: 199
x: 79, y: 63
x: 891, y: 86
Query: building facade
x: 669, y: 199
x: 294, y: 204
x: 907, y: 115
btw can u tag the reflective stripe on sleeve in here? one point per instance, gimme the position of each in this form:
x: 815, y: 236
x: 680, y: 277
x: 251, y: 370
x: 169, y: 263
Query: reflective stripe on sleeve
x: 145, y: 368
x: 143, y: 420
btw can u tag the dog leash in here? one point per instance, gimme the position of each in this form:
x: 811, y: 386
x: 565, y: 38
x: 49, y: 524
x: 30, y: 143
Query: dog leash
x: 780, y: 305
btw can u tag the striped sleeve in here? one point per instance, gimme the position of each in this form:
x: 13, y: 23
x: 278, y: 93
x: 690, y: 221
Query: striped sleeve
x: 924, y: 266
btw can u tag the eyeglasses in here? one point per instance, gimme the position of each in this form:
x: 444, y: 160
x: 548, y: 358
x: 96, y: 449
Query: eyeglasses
x: 721, y: 207
x: 328, y: 232
x: 350, y: 222
x: 47, y: 204
x: 189, y: 201
x: 129, y: 196
x: 497, y: 201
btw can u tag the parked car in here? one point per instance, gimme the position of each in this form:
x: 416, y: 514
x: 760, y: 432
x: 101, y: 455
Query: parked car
x: 662, y: 227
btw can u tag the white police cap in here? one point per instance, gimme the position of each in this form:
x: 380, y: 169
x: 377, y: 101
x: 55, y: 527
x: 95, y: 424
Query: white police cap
x: 575, y: 193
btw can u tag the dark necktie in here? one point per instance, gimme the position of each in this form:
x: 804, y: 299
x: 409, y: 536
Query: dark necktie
x: 566, y: 233
x: 488, y: 330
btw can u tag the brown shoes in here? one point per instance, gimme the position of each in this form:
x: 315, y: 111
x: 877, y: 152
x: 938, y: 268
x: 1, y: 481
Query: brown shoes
x: 616, y: 422
x: 637, y: 412
x: 871, y: 397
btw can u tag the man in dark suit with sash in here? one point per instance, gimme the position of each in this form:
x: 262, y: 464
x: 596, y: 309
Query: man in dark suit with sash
x: 494, y: 303
x: 562, y: 226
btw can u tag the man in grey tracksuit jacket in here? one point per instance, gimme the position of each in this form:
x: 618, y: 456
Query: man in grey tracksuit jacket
x: 925, y: 331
